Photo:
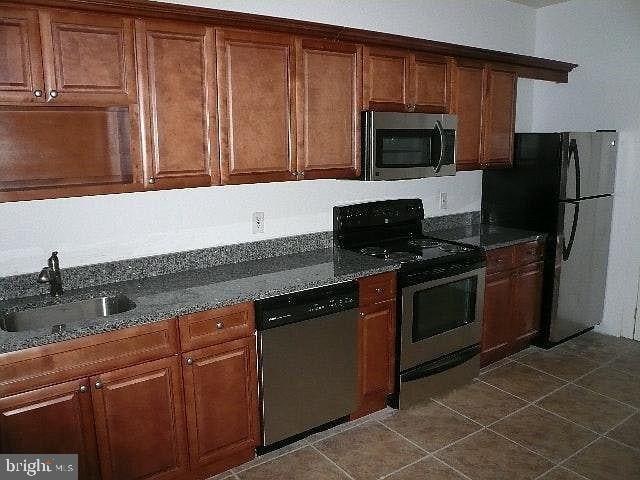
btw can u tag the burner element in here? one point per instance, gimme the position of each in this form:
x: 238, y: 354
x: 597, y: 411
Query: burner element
x: 375, y: 251
x: 424, y: 243
x: 402, y: 257
x: 452, y: 248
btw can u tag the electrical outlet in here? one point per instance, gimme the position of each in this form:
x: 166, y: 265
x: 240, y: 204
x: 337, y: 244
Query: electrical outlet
x: 257, y: 222
x: 444, y: 203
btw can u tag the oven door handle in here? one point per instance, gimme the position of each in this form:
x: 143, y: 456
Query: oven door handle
x: 440, y: 365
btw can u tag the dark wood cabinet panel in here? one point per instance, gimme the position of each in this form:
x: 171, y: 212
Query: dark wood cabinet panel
x: 21, y: 72
x: 376, y: 354
x: 499, y: 119
x: 527, y: 291
x: 496, y: 317
x: 176, y: 70
x: 386, y: 78
x: 256, y: 102
x: 56, y: 419
x: 140, y: 424
x: 512, y: 300
x: 329, y: 96
x: 221, y: 405
x: 88, y: 59
x: 468, y: 105
x: 431, y: 83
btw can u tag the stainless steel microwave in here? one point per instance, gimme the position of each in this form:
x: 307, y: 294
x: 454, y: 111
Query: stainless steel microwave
x: 397, y: 146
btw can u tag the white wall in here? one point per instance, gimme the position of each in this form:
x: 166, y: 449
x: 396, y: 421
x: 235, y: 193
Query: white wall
x: 603, y: 37
x: 102, y: 228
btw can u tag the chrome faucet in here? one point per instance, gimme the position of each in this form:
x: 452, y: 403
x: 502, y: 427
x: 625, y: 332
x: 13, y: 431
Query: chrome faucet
x: 51, y: 275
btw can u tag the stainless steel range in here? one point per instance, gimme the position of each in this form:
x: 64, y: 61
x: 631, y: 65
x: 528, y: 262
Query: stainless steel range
x: 440, y: 299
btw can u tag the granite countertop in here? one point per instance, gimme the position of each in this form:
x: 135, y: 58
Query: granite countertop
x: 486, y: 236
x: 165, y: 296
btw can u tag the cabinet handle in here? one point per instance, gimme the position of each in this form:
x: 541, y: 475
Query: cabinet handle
x: 83, y: 388
x: 98, y: 384
x: 501, y: 260
x: 379, y: 290
x: 53, y: 94
x: 189, y: 361
x: 301, y: 174
x: 152, y: 180
x: 362, y: 314
x: 37, y: 93
x: 220, y: 325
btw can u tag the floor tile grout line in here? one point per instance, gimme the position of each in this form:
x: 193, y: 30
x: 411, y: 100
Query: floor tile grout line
x: 456, y: 412
x: 303, y: 444
x: 405, y: 438
x: 405, y: 466
x: 457, y: 441
x: 529, y: 449
x: 459, y: 472
x: 332, y: 462
x: 619, y: 442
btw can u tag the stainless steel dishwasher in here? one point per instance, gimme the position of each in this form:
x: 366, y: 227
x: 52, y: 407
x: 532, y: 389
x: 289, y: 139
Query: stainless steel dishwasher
x: 307, y: 356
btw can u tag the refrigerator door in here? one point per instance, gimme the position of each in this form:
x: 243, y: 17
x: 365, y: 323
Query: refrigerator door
x: 584, y: 251
x: 589, y: 164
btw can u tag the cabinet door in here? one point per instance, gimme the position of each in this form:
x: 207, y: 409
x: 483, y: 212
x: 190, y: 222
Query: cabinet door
x: 431, y: 83
x: 376, y: 354
x: 257, y: 106
x: 469, y: 89
x: 499, y: 119
x: 328, y: 102
x: 176, y: 68
x: 140, y: 424
x: 386, y: 79
x: 527, y: 299
x: 220, y: 385
x: 20, y: 56
x: 88, y: 59
x: 496, y: 319
x: 56, y: 419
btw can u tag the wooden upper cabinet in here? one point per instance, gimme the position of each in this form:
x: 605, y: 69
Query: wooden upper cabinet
x: 88, y: 59
x: 220, y: 384
x: 176, y: 71
x: 140, y: 424
x: 256, y: 103
x: 329, y: 96
x: 499, y: 119
x: 21, y: 77
x: 386, y: 79
x: 431, y: 83
x: 55, y: 420
x: 468, y: 105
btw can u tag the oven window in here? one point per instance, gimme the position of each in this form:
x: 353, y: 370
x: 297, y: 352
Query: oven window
x: 442, y: 308
x: 403, y: 148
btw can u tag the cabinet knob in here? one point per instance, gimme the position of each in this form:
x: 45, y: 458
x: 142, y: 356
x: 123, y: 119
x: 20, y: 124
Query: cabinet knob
x: 379, y: 290
x: 220, y: 325
x: 301, y: 174
x: 362, y: 314
x: 98, y: 384
x: 189, y: 361
x: 38, y: 93
x: 152, y: 180
x: 53, y: 94
x: 83, y: 388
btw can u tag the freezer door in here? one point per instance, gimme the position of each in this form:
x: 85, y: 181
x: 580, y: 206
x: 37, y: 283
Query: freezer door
x: 590, y: 164
x: 583, y: 269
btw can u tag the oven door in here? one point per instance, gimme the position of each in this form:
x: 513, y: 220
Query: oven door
x: 440, y: 317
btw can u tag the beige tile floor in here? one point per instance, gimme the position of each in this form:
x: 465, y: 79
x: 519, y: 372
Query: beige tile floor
x: 569, y: 413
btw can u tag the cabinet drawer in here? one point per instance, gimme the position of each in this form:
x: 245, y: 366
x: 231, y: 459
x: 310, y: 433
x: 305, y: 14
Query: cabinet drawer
x: 211, y: 327
x: 377, y: 288
x: 500, y: 259
x: 529, y: 252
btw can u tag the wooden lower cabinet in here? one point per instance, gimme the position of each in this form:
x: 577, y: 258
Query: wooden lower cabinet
x: 221, y: 405
x: 376, y: 353
x: 512, y: 302
x: 140, y: 426
x: 55, y: 419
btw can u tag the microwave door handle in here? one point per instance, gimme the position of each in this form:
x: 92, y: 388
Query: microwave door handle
x: 440, y: 130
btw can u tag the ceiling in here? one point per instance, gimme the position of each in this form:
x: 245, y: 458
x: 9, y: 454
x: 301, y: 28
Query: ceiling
x: 538, y: 3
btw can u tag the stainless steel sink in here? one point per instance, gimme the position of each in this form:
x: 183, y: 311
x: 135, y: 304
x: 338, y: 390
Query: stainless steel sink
x: 56, y: 317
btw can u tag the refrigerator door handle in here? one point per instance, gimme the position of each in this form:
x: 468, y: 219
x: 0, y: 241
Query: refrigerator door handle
x: 566, y: 247
x: 573, y: 151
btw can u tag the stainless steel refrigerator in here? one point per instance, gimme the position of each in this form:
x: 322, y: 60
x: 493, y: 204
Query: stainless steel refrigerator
x: 561, y: 184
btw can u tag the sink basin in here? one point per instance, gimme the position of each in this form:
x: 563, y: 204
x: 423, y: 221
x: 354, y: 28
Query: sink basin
x: 56, y: 317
